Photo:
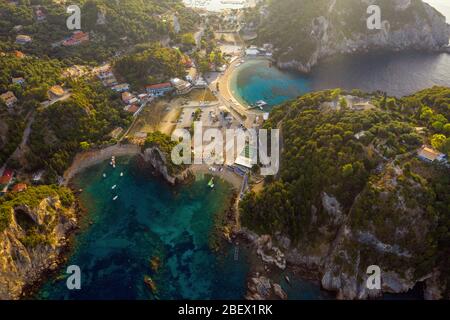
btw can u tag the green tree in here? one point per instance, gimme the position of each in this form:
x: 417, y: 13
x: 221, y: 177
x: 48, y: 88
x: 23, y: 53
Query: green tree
x: 84, y: 145
x: 438, y: 141
x: 347, y: 170
x: 446, y: 128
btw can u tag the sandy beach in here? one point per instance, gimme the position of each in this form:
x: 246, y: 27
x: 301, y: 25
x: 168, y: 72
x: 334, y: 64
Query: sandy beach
x: 225, y: 90
x: 230, y: 177
x: 87, y: 159
x: 238, y: 108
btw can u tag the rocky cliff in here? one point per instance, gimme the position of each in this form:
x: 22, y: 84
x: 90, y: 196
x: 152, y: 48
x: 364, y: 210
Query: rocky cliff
x: 33, y: 241
x: 328, y: 27
x: 158, y: 161
x: 352, y: 193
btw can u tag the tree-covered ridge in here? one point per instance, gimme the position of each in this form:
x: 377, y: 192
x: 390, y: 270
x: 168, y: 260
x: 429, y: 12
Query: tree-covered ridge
x: 359, y: 169
x: 39, y: 75
x: 336, y: 24
x: 322, y: 154
x: 66, y: 127
x: 429, y: 108
x: 11, y: 129
x: 31, y: 198
x: 125, y: 23
x: 150, y: 64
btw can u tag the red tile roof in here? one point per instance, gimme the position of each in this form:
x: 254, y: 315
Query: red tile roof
x: 20, y: 187
x: 7, y: 176
x: 133, y: 109
x: 159, y: 85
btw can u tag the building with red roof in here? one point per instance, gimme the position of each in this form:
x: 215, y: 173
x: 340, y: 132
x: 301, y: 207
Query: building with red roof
x: 159, y: 89
x: 6, y: 177
x: 77, y: 38
x: 20, y: 187
x: 131, y: 108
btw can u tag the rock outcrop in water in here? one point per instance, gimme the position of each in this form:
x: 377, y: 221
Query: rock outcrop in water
x: 326, y: 28
x: 33, y: 243
x: 353, y: 193
x: 262, y: 288
x: 157, y: 152
x: 158, y: 160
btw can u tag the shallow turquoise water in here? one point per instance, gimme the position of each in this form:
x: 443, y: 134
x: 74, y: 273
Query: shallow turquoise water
x: 149, y: 219
x: 152, y: 219
x: 255, y: 80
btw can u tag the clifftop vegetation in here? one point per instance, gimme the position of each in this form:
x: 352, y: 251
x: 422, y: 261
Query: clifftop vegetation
x: 31, y: 198
x: 165, y: 144
x: 359, y: 168
x: 316, y: 29
x: 151, y: 64
x: 84, y: 120
x: 125, y: 23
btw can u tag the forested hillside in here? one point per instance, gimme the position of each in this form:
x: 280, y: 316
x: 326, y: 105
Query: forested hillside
x: 66, y: 127
x: 112, y: 25
x: 150, y: 64
x: 317, y: 29
x: 357, y: 170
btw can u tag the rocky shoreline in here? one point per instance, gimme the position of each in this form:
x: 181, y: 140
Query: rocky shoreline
x: 427, y: 33
x: 277, y: 254
x: 46, y: 264
x: 152, y: 160
x: 31, y: 264
x: 31, y: 289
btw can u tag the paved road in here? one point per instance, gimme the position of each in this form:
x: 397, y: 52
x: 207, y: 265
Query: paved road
x: 47, y: 104
x: 26, y: 134
x: 198, y: 37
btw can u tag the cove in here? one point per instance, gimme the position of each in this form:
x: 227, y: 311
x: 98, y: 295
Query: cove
x: 398, y: 74
x: 151, y: 218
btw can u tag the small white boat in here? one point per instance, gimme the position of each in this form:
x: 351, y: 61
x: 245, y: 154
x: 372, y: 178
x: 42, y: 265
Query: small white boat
x: 121, y: 174
x: 211, y: 183
x: 104, y: 175
x: 115, y: 198
x: 114, y: 186
x: 261, y: 104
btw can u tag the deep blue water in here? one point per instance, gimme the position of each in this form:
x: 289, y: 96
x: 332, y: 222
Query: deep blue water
x: 398, y: 74
x: 152, y: 219
x: 149, y: 219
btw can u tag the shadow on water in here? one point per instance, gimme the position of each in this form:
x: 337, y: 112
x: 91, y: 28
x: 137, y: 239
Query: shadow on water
x: 398, y: 74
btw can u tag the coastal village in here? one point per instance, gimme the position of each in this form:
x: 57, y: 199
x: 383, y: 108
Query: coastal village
x: 173, y: 104
x: 204, y: 94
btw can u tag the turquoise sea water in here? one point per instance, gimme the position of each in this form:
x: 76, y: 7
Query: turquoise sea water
x: 149, y: 219
x: 152, y: 219
x: 398, y: 74
x: 255, y: 80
